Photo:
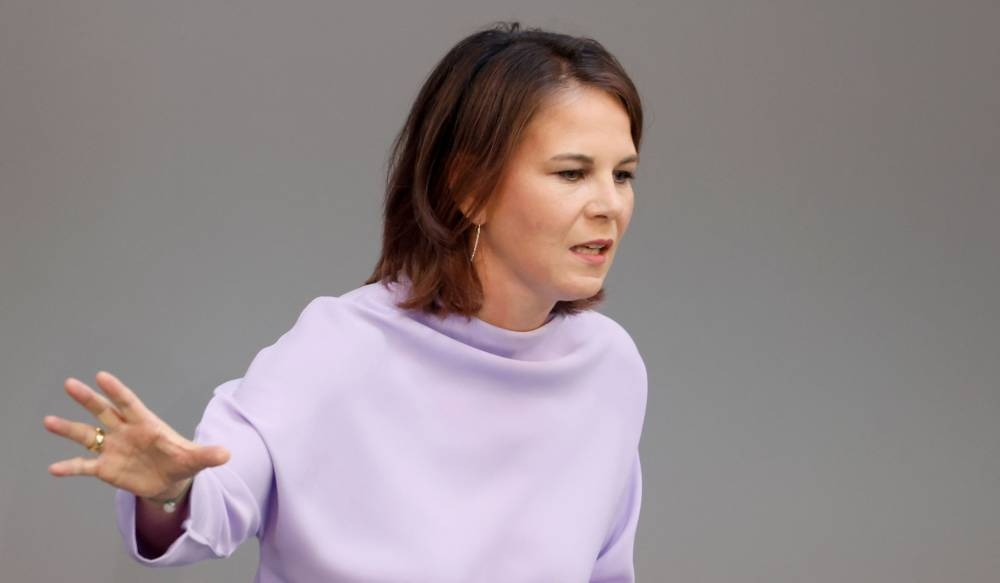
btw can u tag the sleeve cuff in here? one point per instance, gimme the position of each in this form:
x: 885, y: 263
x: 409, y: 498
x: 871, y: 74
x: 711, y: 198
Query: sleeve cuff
x: 214, y: 528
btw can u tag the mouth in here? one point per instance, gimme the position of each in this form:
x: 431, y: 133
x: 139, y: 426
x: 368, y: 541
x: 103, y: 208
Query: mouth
x: 593, y: 248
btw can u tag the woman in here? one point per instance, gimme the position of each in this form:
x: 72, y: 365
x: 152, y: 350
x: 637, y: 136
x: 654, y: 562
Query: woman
x: 463, y: 416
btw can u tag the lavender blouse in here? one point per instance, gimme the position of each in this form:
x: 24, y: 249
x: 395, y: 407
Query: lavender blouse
x: 375, y: 444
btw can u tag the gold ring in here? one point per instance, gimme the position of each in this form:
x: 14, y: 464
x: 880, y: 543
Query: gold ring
x: 98, y: 444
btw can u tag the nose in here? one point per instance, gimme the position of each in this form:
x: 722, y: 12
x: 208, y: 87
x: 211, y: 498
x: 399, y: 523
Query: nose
x: 608, y: 200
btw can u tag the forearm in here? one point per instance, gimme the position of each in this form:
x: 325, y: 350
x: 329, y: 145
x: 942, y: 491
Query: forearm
x: 223, y: 506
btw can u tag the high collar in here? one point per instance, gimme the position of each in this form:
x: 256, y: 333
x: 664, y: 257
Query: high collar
x: 538, y: 344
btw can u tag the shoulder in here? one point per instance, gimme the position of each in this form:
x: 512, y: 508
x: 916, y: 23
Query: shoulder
x: 323, y: 326
x: 330, y: 343
x: 616, y: 343
x: 613, y: 336
x: 620, y: 361
x: 335, y: 325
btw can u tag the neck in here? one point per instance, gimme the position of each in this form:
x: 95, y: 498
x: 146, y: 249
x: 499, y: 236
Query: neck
x: 510, y: 306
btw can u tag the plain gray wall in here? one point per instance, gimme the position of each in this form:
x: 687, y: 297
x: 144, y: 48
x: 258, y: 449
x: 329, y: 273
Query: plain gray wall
x: 812, y: 273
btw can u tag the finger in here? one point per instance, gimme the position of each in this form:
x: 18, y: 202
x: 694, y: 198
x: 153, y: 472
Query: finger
x: 123, y: 398
x: 211, y: 455
x: 82, y: 433
x: 78, y: 466
x: 96, y: 404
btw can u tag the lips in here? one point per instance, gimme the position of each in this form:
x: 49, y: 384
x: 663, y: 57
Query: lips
x: 598, y: 246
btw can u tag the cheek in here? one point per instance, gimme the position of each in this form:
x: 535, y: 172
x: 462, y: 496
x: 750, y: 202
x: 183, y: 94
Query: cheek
x: 533, y: 216
x: 535, y: 219
x: 549, y: 224
x: 626, y: 216
x: 534, y: 225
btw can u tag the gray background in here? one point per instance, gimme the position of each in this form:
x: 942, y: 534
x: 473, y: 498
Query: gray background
x: 811, y: 275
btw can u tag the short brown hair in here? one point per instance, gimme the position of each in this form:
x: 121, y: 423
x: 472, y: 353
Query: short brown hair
x: 464, y: 126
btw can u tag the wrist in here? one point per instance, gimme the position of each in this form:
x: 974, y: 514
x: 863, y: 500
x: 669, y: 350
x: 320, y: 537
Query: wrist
x: 171, y: 497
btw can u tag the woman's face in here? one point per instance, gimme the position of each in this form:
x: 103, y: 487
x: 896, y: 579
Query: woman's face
x: 568, y: 183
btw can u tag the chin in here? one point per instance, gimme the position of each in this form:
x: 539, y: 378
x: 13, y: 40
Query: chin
x: 582, y: 290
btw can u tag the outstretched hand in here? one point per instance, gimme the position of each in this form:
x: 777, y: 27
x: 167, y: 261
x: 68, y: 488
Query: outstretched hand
x: 140, y: 453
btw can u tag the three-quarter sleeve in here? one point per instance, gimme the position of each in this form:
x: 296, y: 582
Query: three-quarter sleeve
x: 227, y: 503
x: 614, y: 563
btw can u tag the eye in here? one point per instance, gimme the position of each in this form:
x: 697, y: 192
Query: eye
x: 571, y: 175
x: 623, y: 176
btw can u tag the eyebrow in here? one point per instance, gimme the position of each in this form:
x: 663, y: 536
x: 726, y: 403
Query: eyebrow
x: 588, y: 160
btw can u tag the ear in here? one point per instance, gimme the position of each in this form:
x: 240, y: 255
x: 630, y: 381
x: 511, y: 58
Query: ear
x: 466, y: 204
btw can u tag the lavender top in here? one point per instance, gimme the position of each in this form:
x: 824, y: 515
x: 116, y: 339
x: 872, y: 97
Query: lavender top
x: 375, y: 444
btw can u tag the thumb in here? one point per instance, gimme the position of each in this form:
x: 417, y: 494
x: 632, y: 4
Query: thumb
x: 212, y: 455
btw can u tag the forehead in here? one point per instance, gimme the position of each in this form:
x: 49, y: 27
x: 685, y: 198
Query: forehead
x: 580, y: 118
